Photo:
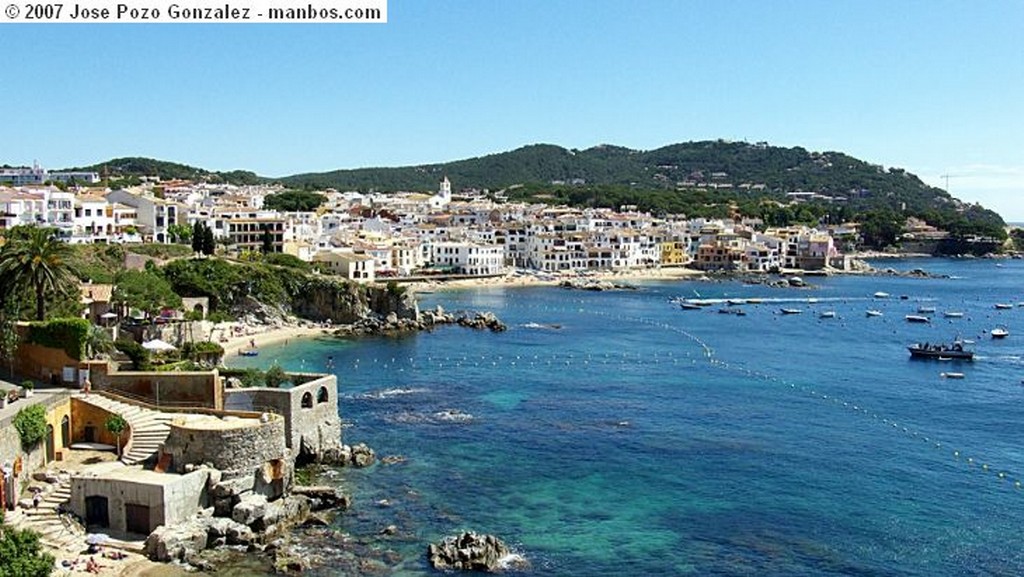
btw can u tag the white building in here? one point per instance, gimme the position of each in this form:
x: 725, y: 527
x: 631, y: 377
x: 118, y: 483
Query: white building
x: 348, y: 265
x: 468, y: 258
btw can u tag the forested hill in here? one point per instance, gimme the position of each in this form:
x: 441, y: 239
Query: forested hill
x: 132, y: 168
x: 709, y: 178
x: 678, y: 165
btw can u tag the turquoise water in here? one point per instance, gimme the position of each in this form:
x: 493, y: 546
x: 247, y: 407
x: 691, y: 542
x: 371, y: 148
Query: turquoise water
x: 616, y: 434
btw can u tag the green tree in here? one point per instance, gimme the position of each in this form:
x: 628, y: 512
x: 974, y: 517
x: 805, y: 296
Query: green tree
x: 294, y: 201
x: 266, y: 240
x: 98, y: 342
x: 197, y: 237
x: 116, y: 425
x: 35, y: 257
x: 146, y: 291
x: 209, y: 245
x: 22, y: 555
x: 181, y: 233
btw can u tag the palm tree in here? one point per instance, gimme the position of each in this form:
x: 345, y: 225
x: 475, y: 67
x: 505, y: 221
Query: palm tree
x: 37, y: 258
x: 97, y: 342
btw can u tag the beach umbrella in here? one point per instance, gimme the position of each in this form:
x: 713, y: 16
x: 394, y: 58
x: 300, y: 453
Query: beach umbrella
x: 110, y: 315
x: 96, y: 538
x: 158, y: 345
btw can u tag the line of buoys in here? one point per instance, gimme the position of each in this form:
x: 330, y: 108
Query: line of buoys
x: 706, y: 353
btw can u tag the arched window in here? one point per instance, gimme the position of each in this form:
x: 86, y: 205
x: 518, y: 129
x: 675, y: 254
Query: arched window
x: 307, y: 400
x: 322, y: 396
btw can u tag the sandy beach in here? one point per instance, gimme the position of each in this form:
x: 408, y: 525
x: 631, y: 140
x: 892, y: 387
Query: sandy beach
x: 521, y: 279
x: 237, y: 337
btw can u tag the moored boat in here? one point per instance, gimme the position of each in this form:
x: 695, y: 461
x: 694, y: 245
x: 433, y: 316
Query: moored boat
x: 917, y: 319
x: 790, y: 311
x: 249, y: 353
x: 881, y: 295
x: 689, y: 306
x: 953, y: 351
x: 953, y: 314
x: 1003, y: 306
x: 827, y: 315
x: 873, y: 313
x: 926, y: 310
x: 949, y: 375
x: 1000, y: 333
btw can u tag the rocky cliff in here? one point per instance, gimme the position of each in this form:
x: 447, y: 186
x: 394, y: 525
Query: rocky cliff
x: 346, y: 302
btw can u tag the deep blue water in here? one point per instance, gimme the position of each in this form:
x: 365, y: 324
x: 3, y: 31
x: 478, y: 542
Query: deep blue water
x: 636, y: 438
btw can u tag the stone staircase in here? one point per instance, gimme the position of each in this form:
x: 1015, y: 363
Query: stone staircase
x: 56, y: 529
x: 149, y: 428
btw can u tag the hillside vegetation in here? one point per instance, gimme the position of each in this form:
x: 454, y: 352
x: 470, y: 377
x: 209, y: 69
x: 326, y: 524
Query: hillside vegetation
x: 707, y: 178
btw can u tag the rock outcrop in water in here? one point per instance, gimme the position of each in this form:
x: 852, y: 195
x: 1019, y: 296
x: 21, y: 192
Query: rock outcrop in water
x: 472, y: 552
x: 426, y: 320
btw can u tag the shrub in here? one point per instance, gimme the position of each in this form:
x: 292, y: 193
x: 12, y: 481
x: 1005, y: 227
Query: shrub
x: 136, y: 353
x: 251, y: 378
x: 70, y: 335
x: 275, y: 377
x: 30, y: 423
x: 22, y: 555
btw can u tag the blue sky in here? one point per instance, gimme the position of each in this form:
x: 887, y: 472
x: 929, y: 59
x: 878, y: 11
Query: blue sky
x: 933, y: 86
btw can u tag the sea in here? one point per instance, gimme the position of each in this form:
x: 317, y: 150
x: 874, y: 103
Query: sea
x: 614, y: 433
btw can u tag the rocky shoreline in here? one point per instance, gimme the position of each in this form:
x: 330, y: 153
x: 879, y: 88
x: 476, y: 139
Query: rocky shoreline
x: 251, y: 522
x: 374, y: 324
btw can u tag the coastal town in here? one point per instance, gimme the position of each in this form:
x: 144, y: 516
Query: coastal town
x: 369, y: 236
x: 158, y: 465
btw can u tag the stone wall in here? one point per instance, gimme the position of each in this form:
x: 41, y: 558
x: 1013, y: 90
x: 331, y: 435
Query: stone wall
x: 11, y: 452
x: 183, y: 389
x: 239, y: 447
x: 310, y: 409
x: 44, y: 363
x: 170, y: 499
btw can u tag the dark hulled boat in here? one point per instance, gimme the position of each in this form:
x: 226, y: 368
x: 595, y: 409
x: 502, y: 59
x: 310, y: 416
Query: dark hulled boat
x: 954, y: 351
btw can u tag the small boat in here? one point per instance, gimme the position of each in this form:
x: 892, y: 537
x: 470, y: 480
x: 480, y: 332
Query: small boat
x: 812, y: 300
x: 248, y: 353
x: 1003, y: 306
x: 873, y: 313
x: 827, y: 315
x: 737, y: 301
x: 952, y: 375
x: 953, y: 315
x: 791, y: 311
x: 881, y: 295
x: 689, y: 306
x: 926, y: 310
x: 917, y: 319
x: 952, y: 351
x: 1000, y: 333
x: 755, y: 301
x: 904, y: 297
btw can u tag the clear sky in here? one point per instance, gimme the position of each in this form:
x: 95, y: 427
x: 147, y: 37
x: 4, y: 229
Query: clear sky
x: 933, y: 86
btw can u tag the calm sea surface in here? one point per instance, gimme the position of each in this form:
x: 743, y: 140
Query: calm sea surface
x: 615, y: 434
